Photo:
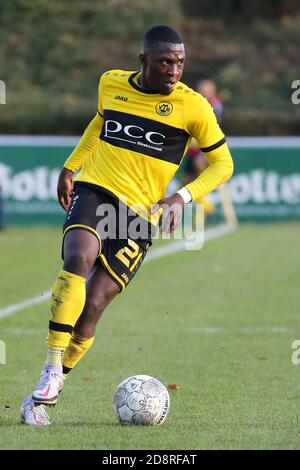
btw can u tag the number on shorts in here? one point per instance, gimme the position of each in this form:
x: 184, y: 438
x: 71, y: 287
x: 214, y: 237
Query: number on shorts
x: 130, y: 255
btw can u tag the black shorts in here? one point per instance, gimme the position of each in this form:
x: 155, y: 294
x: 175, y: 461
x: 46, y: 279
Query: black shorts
x: 121, y: 250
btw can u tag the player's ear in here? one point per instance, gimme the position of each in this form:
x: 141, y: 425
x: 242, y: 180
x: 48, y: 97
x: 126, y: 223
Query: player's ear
x: 143, y: 59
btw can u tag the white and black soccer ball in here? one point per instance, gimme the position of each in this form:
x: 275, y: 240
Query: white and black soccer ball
x: 141, y: 399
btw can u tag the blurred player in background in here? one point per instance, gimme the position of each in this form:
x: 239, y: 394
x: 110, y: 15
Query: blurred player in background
x: 208, y: 89
x: 195, y: 161
x: 125, y: 159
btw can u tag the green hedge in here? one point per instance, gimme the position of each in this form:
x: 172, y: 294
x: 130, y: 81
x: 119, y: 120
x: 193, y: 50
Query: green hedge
x: 53, y: 52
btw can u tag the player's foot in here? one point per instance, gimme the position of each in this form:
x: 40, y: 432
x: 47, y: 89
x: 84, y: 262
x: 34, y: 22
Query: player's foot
x: 50, y: 385
x: 33, y: 414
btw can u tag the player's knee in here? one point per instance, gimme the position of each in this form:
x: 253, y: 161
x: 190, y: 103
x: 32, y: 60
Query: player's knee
x: 95, y: 305
x: 79, y: 262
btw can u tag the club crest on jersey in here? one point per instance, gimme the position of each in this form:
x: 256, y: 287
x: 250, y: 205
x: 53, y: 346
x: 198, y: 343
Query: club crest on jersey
x: 164, y: 108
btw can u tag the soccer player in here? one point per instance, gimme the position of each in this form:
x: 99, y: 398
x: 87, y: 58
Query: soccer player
x: 125, y: 159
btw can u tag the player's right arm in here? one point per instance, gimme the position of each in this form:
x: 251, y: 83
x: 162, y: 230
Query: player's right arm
x: 75, y: 161
x: 85, y: 145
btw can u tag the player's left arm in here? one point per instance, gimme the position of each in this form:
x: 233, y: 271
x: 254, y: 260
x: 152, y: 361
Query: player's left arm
x: 171, y: 210
x: 202, y: 124
x: 219, y: 170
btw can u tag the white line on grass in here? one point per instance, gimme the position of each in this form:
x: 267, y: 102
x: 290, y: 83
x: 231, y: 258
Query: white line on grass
x: 15, y: 331
x: 210, y: 234
x: 13, y: 308
x: 241, y: 330
x: 207, y: 330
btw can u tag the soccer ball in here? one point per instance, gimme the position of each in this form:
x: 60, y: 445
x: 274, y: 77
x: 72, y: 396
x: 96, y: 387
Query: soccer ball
x: 141, y: 399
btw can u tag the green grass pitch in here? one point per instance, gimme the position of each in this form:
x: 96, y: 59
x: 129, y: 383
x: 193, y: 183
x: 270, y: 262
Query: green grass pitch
x: 218, y: 322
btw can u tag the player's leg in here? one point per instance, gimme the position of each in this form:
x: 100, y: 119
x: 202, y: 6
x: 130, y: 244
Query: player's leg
x: 100, y: 291
x: 104, y: 283
x: 82, y: 245
x: 81, y: 249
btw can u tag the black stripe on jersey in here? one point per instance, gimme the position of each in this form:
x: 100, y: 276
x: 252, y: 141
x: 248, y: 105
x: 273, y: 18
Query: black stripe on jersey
x: 142, y: 135
x: 100, y: 114
x: 138, y: 88
x: 214, y: 146
x: 60, y: 327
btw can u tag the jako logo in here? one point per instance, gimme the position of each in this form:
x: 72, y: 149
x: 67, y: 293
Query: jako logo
x: 121, y: 98
x: 115, y: 130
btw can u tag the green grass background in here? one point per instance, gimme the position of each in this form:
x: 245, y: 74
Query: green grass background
x: 218, y: 322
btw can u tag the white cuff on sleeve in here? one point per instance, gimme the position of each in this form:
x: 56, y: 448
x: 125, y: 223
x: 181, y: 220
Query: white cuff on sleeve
x: 185, y: 194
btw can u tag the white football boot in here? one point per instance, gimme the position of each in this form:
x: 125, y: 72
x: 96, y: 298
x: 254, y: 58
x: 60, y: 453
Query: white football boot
x: 33, y: 414
x: 50, y: 385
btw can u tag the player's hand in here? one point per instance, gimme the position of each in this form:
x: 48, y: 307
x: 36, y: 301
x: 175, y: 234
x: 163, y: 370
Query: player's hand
x: 172, y: 208
x: 65, y: 188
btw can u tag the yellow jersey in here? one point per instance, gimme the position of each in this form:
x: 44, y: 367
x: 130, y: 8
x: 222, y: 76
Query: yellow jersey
x: 138, y: 138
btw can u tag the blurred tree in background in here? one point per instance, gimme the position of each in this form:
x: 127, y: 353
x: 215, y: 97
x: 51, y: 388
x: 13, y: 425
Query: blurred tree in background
x: 52, y: 53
